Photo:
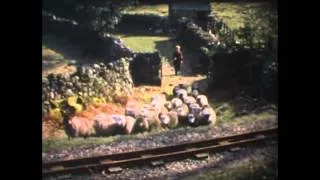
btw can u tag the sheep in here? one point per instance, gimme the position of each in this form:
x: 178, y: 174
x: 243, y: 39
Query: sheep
x: 194, y: 108
x: 193, y: 116
x: 207, y: 116
x: 202, y: 100
x: 175, y: 89
x: 194, y: 93
x: 96, y: 66
x: 182, y: 112
x: 176, y: 102
x: 193, y: 119
x: 80, y: 127
x: 132, y: 108
x: 168, y: 105
x: 169, y: 119
x: 106, y: 124
x: 142, y: 123
x: 178, y: 87
x: 158, y: 101
x: 189, y: 100
x: 150, y: 119
x: 129, y: 124
x: 181, y: 93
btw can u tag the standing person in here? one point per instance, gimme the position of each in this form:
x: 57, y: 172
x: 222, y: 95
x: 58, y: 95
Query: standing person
x: 177, y: 59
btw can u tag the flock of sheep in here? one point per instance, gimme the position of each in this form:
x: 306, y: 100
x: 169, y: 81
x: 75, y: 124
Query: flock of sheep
x: 186, y: 108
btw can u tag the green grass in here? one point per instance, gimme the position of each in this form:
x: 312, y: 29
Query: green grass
x: 140, y: 43
x: 160, y: 9
x: 58, y: 144
x: 228, y: 114
x: 54, y: 144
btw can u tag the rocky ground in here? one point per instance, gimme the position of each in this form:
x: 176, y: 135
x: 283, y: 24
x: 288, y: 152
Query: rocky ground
x: 191, y: 168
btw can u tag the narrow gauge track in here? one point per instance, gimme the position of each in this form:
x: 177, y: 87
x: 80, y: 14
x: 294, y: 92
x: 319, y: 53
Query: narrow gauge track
x: 156, y: 156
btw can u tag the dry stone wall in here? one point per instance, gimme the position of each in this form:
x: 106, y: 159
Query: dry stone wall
x: 97, y: 80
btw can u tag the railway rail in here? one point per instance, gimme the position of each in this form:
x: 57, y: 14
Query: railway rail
x: 156, y: 156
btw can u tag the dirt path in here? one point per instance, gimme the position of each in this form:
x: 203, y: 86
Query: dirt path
x: 169, y: 79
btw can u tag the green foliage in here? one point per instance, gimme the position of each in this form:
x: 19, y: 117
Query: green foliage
x: 207, y: 51
x: 251, y: 21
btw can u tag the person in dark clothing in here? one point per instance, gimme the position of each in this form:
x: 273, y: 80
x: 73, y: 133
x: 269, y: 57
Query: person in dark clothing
x: 177, y: 59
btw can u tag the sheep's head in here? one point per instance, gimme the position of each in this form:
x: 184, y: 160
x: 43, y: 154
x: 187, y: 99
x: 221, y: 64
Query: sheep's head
x: 194, y: 108
x: 195, y: 93
x: 205, y: 112
x: 177, y: 103
x: 142, y: 123
x: 181, y: 111
x: 181, y: 96
x: 120, y: 120
x: 164, y: 118
x: 168, y: 105
x: 191, y: 118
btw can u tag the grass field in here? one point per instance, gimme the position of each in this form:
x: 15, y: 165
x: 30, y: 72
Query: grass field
x: 139, y: 43
x: 160, y: 9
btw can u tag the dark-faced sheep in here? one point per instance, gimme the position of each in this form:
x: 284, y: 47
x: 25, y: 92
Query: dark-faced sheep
x: 194, y: 93
x: 142, y: 123
x: 207, y: 116
x: 181, y: 93
x: 193, y: 120
x: 175, y: 89
x: 180, y: 86
x: 194, y: 108
x: 193, y: 116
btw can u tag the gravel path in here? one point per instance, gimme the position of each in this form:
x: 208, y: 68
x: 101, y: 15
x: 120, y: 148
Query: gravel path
x: 187, y: 167
x: 173, y: 136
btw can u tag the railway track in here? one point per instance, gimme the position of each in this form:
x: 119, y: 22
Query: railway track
x: 156, y: 156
